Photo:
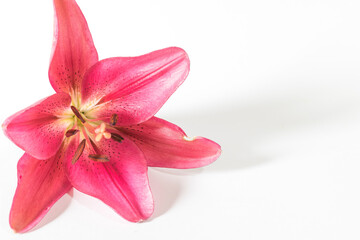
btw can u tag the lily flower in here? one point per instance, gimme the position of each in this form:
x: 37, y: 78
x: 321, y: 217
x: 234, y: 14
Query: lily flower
x: 98, y: 132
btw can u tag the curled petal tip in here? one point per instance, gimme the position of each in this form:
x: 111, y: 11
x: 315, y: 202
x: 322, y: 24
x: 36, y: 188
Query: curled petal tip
x: 3, y: 127
x: 5, y: 124
x: 18, y: 230
x: 189, y: 139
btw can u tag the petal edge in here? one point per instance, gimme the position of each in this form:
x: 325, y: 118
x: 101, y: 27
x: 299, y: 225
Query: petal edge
x: 166, y: 145
x: 40, y: 184
x: 134, y: 88
x: 73, y: 51
x: 121, y: 183
x: 37, y: 129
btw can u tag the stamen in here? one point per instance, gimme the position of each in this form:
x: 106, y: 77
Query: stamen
x: 71, y: 132
x: 113, y: 119
x: 78, y: 151
x: 89, y: 127
x: 95, y: 148
x: 98, y: 158
x: 117, y: 137
x: 77, y: 114
x: 85, y: 135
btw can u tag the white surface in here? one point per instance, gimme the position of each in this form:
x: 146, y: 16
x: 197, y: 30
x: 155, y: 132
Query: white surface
x: 276, y: 83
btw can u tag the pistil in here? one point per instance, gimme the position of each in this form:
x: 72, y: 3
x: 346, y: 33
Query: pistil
x: 100, y: 132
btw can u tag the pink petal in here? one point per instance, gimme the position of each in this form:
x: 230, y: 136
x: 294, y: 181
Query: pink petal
x: 38, y: 129
x: 40, y: 184
x: 121, y: 183
x: 73, y: 48
x: 135, y: 88
x: 166, y: 145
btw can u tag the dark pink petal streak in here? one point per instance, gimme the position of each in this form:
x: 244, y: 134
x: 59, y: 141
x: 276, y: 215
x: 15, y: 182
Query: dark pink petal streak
x: 135, y: 88
x: 38, y: 129
x: 121, y: 183
x: 40, y: 184
x: 73, y: 48
x: 166, y: 145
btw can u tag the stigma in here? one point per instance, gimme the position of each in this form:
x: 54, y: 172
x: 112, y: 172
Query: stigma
x: 100, y: 132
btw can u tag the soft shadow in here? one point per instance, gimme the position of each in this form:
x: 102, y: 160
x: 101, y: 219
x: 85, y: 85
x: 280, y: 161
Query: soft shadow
x: 166, y: 188
x: 58, y: 208
x: 242, y: 128
x: 179, y: 172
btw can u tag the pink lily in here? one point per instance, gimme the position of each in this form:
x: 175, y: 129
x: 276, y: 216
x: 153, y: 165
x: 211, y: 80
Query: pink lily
x: 98, y: 132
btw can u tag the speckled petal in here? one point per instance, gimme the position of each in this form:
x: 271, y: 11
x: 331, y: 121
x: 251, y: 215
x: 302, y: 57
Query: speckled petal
x: 40, y: 184
x: 121, y: 183
x: 134, y: 88
x: 38, y: 130
x: 166, y: 145
x: 73, y: 50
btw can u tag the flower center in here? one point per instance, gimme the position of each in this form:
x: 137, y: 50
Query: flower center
x: 91, y: 132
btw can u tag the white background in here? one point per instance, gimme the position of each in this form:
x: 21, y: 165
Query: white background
x: 275, y: 83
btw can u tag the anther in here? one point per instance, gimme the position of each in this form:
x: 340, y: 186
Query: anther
x: 78, y: 152
x: 77, y: 114
x: 98, y: 158
x: 116, y: 137
x: 71, y: 132
x: 113, y: 119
